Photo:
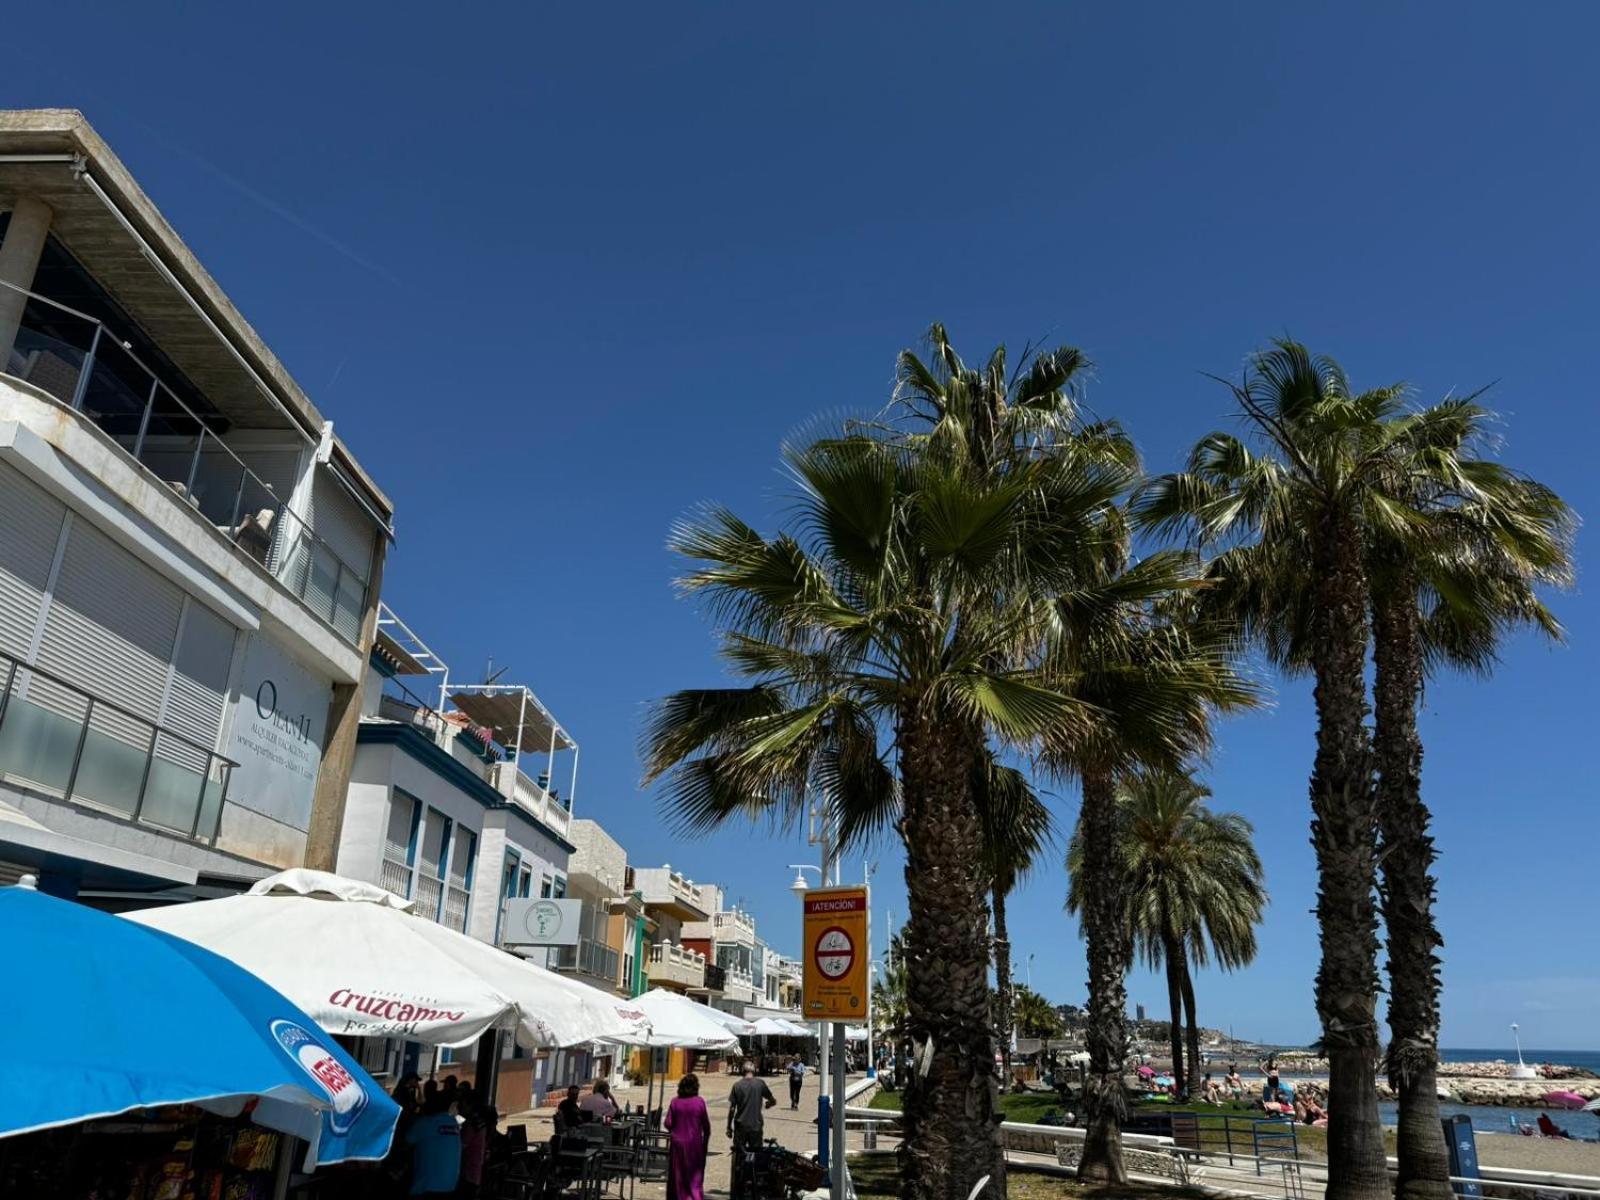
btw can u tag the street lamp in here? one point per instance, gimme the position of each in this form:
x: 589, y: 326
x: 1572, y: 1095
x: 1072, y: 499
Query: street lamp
x: 799, y: 887
x: 1521, y: 1070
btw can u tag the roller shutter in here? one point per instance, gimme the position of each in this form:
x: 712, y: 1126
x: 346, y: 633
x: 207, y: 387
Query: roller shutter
x: 110, y: 629
x: 200, y: 676
x: 30, y: 526
x: 347, y: 530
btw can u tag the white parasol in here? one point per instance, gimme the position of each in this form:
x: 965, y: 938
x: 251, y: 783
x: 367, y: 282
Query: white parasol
x: 354, y: 958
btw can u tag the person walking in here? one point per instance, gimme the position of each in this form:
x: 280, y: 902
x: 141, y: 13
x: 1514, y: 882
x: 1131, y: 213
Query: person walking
x: 747, y: 1122
x: 797, y: 1080
x: 689, y: 1124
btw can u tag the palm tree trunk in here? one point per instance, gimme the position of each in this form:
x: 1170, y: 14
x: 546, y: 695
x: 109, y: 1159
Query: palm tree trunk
x: 951, y: 1104
x: 1344, y: 836
x: 1110, y: 948
x: 1408, y: 895
x: 1172, y: 951
x: 1002, y: 984
x: 1191, y: 1029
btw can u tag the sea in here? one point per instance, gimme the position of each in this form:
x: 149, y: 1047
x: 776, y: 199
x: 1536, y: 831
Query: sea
x: 1493, y: 1118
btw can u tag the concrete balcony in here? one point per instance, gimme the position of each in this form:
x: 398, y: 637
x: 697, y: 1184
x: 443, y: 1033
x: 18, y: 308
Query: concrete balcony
x: 530, y: 797
x: 178, y: 457
x: 739, y: 986
x: 670, y: 892
x: 734, y: 926
x: 674, y: 967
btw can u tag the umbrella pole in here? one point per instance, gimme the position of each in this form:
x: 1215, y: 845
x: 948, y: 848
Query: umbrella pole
x: 284, y: 1166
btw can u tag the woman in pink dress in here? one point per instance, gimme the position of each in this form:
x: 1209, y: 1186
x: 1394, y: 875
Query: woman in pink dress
x: 689, y: 1124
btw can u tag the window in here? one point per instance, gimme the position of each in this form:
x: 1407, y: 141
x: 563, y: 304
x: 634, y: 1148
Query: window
x: 560, y: 889
x: 546, y: 887
x: 464, y: 858
x: 400, y: 844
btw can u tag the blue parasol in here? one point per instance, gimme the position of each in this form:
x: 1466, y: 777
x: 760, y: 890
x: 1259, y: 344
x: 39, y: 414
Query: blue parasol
x: 103, y: 1016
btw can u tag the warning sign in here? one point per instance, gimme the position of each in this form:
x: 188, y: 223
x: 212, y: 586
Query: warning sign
x: 835, y: 985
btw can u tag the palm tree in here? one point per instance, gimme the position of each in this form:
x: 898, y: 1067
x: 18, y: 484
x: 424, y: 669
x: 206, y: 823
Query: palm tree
x: 1036, y: 1016
x: 1017, y: 829
x: 1196, y: 890
x: 1443, y: 596
x: 909, y: 601
x: 1323, y: 492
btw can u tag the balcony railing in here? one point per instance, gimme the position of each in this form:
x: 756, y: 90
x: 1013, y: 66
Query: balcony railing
x: 58, y: 738
x: 590, y: 957
x: 456, y: 899
x: 675, y: 964
x: 76, y: 359
x: 430, y: 894
x: 395, y: 873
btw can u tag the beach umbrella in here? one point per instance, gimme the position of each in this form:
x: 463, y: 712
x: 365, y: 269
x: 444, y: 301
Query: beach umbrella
x: 354, y: 957
x: 106, y: 1016
x: 773, y: 1027
x: 1563, y: 1099
x: 1162, y: 1081
x: 1146, y: 1072
x: 795, y: 1029
x: 733, y: 1024
x: 676, y: 1020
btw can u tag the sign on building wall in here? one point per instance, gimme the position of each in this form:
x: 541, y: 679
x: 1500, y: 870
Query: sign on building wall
x: 279, y: 720
x: 835, y: 982
x: 542, y: 922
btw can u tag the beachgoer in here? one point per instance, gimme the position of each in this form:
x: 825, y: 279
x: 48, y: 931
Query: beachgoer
x: 569, y: 1113
x: 1209, y: 1089
x: 1269, y: 1090
x: 797, y: 1080
x: 598, y: 1103
x: 747, y: 1122
x: 687, y: 1121
x: 1548, y: 1128
x: 435, y: 1141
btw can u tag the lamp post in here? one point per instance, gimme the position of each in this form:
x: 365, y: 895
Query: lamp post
x: 1030, y: 972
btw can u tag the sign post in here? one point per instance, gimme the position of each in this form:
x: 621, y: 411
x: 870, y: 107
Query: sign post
x: 834, y: 985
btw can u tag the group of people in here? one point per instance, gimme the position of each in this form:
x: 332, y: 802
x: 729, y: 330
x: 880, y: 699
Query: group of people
x: 688, y: 1123
x: 442, y: 1138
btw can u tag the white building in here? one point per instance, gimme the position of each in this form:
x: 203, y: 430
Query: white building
x: 189, y: 558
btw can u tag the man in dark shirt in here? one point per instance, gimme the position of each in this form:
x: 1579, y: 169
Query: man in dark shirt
x: 569, y: 1115
x: 747, y: 1123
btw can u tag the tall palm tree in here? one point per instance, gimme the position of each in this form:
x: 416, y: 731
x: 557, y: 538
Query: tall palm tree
x: 1442, y: 596
x: 1196, y: 889
x: 1155, y: 675
x: 1454, y: 547
x: 1017, y: 829
x: 909, y: 601
x: 1320, y: 474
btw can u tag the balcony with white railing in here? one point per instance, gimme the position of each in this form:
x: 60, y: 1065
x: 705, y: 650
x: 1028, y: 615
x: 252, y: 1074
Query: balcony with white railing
x: 183, y: 445
x: 734, y: 926
x: 456, y: 900
x: 429, y: 896
x: 394, y: 872
x: 527, y: 795
x: 738, y: 985
x: 673, y: 965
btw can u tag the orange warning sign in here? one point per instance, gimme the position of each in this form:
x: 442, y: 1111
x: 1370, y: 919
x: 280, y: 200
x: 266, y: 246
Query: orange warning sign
x: 835, y: 980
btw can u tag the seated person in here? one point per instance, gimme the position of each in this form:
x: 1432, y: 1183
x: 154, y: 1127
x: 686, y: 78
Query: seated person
x: 1210, y: 1090
x: 598, y: 1103
x: 1549, y: 1128
x: 569, y: 1113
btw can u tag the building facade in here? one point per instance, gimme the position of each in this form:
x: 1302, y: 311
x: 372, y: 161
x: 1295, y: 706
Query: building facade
x: 189, y: 557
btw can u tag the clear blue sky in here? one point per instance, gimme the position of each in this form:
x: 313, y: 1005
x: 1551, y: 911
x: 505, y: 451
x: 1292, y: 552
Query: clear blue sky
x: 558, y: 274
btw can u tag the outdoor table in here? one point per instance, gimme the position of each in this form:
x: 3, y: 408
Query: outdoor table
x: 583, y: 1164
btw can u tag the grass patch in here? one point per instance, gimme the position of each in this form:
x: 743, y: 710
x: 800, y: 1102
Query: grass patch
x: 1025, y: 1108
x: 879, y: 1177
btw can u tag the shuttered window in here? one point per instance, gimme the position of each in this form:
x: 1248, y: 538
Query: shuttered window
x: 112, y: 624
x: 30, y: 527
x: 199, y: 676
x: 338, y: 580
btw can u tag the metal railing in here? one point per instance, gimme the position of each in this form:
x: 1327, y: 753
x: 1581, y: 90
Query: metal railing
x: 589, y: 956
x: 76, y: 359
x: 430, y: 895
x: 394, y: 874
x: 456, y: 899
x: 61, y: 739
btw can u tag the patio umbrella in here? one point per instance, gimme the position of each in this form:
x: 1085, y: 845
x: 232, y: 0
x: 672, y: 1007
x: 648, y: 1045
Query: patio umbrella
x: 1146, y: 1072
x: 795, y: 1029
x: 773, y: 1027
x: 676, y: 1020
x: 354, y: 958
x: 1565, y: 1099
x: 114, y: 1017
x: 1593, y: 1106
x: 733, y: 1024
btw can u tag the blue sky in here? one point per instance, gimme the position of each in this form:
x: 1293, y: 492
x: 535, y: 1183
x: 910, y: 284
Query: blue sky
x: 558, y: 275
